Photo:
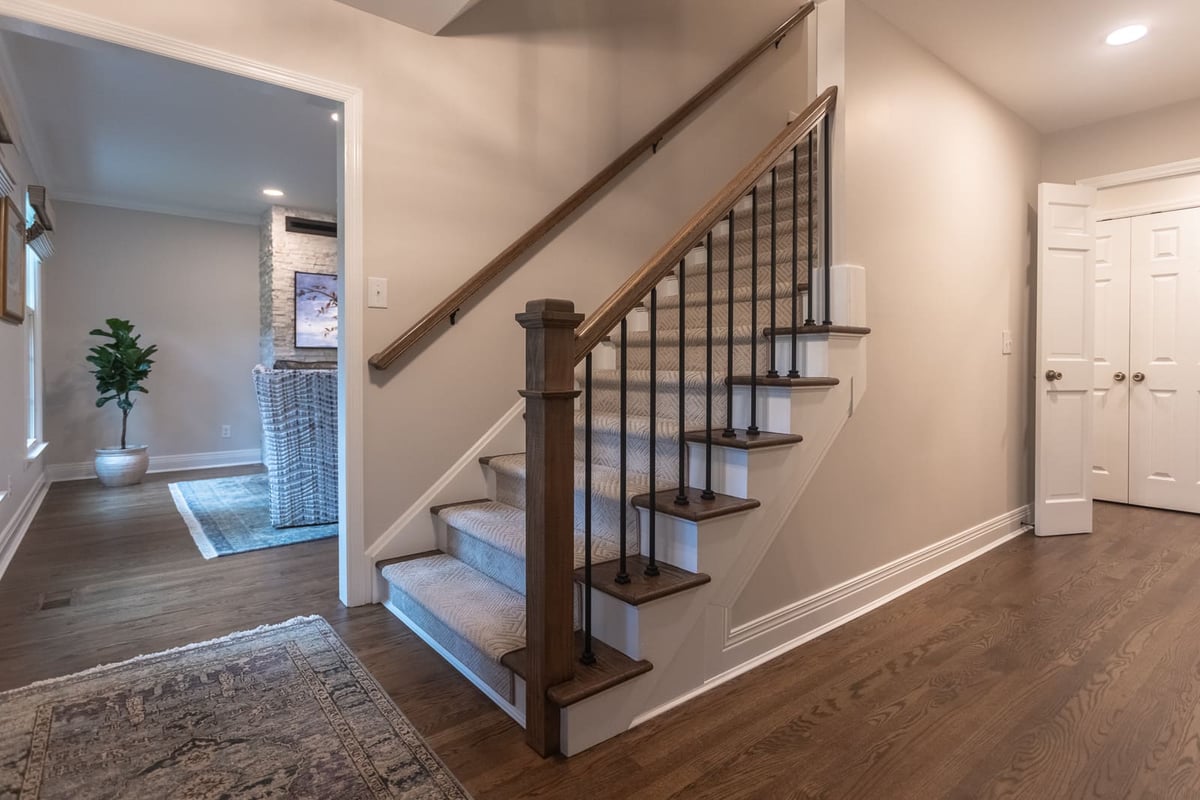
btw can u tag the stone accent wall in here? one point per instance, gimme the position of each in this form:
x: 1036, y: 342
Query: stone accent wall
x: 281, y: 256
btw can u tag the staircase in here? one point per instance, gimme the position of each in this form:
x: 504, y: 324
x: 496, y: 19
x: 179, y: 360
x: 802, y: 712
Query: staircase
x: 667, y: 442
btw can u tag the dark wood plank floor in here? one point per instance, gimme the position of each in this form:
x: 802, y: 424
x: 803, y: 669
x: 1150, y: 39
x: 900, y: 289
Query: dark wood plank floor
x: 1048, y: 668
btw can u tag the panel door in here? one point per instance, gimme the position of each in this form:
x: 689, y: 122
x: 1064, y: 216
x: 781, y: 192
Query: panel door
x: 1164, y: 407
x: 1110, y: 387
x: 1066, y: 298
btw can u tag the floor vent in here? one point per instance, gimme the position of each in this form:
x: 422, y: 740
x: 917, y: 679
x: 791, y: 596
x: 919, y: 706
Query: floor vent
x: 55, y: 600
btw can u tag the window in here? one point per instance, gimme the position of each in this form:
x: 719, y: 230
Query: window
x: 33, y: 346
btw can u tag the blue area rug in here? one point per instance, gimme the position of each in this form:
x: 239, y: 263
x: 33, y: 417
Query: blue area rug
x: 233, y: 515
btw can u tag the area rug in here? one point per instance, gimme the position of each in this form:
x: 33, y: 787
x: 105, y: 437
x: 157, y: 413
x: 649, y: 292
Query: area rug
x: 233, y: 515
x: 281, y: 711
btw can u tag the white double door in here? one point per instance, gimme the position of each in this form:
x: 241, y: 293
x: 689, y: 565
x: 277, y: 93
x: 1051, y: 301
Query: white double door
x: 1146, y: 382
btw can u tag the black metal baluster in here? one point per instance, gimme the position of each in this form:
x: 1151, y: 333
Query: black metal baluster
x: 681, y: 498
x: 729, y: 432
x: 826, y: 217
x: 792, y: 372
x: 588, y: 657
x: 652, y: 564
x: 753, y: 428
x: 622, y: 571
x: 707, y: 494
x: 812, y: 240
x: 772, y: 372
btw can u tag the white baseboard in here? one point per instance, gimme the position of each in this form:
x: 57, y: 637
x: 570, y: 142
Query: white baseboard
x: 174, y: 463
x: 813, y: 616
x: 14, y: 532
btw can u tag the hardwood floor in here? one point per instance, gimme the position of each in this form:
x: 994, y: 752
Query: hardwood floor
x: 1048, y: 668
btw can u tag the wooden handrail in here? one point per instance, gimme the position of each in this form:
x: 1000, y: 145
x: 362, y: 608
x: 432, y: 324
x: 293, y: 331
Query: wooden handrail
x: 631, y: 293
x: 450, y: 306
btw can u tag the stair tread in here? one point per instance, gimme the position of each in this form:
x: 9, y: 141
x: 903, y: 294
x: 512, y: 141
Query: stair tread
x: 612, y: 668
x: 484, y: 612
x: 641, y: 587
x: 604, y: 479
x: 801, y: 330
x: 742, y: 440
x: 698, y: 509
x: 741, y: 294
x: 503, y: 527
x: 782, y: 380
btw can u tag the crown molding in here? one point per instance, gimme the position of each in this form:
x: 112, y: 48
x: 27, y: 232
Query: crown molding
x: 1174, y: 169
x: 170, y: 209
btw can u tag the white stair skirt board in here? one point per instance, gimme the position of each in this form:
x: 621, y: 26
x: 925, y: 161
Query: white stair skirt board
x: 14, y: 531
x: 84, y: 470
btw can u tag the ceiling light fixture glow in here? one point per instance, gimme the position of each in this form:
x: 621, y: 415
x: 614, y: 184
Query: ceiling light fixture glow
x: 1126, y: 35
x: 335, y: 116
x: 273, y: 192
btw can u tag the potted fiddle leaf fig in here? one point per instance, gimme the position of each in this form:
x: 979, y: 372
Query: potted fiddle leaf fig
x: 121, y: 366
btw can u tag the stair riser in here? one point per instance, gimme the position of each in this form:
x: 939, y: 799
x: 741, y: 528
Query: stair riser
x: 696, y: 317
x: 695, y: 356
x: 743, y: 249
x: 697, y: 296
x: 606, y: 451
x: 607, y: 400
x: 606, y: 509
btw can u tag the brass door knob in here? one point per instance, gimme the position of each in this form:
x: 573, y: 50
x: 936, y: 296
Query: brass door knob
x: 1053, y: 375
x: 1118, y: 376
x: 1138, y: 377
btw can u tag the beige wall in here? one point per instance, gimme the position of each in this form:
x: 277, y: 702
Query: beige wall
x: 1146, y: 139
x: 941, y: 183
x: 191, y: 287
x: 470, y: 137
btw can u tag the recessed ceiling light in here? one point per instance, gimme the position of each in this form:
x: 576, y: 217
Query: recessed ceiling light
x: 335, y: 116
x: 273, y: 192
x: 1126, y: 35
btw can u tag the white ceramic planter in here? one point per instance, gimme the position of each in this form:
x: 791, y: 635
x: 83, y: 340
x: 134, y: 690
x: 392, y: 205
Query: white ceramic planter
x: 117, y: 467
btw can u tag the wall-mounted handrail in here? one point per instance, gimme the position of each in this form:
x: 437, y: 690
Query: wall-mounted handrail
x: 450, y: 306
x: 631, y: 293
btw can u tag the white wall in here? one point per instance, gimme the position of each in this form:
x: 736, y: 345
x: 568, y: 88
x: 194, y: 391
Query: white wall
x: 470, y: 138
x: 941, y: 185
x: 188, y: 285
x: 1146, y: 139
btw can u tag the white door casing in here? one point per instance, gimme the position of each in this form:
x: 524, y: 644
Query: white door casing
x: 1066, y: 299
x: 1164, y: 419
x: 1111, y: 384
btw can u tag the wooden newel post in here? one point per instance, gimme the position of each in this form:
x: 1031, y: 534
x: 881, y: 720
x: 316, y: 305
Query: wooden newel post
x: 549, y: 511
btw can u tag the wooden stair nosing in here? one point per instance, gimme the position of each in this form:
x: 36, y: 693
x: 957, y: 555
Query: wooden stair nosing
x: 782, y: 380
x: 816, y: 330
x: 641, y: 588
x: 741, y: 440
x: 697, y: 509
x: 485, y: 460
x: 379, y: 565
x: 436, y: 510
x: 612, y: 668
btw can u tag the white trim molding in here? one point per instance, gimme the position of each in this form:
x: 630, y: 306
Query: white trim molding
x: 83, y: 470
x: 1172, y: 170
x: 355, y: 581
x: 13, y: 534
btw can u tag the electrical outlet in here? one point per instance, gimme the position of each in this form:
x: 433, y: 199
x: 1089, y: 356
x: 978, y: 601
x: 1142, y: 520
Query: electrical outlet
x: 226, y: 432
x: 1006, y: 343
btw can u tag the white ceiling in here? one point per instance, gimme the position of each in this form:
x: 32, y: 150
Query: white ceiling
x: 107, y: 125
x: 1047, y: 60
x: 430, y: 16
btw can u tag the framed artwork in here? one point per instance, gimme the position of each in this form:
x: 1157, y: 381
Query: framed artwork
x: 12, y: 262
x: 316, y: 310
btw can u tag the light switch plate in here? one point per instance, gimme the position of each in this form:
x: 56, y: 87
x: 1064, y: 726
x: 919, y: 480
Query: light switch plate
x: 377, y: 293
x: 1006, y: 343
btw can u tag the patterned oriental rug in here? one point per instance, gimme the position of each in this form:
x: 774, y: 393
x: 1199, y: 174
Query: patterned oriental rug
x: 233, y: 515
x: 282, y: 711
